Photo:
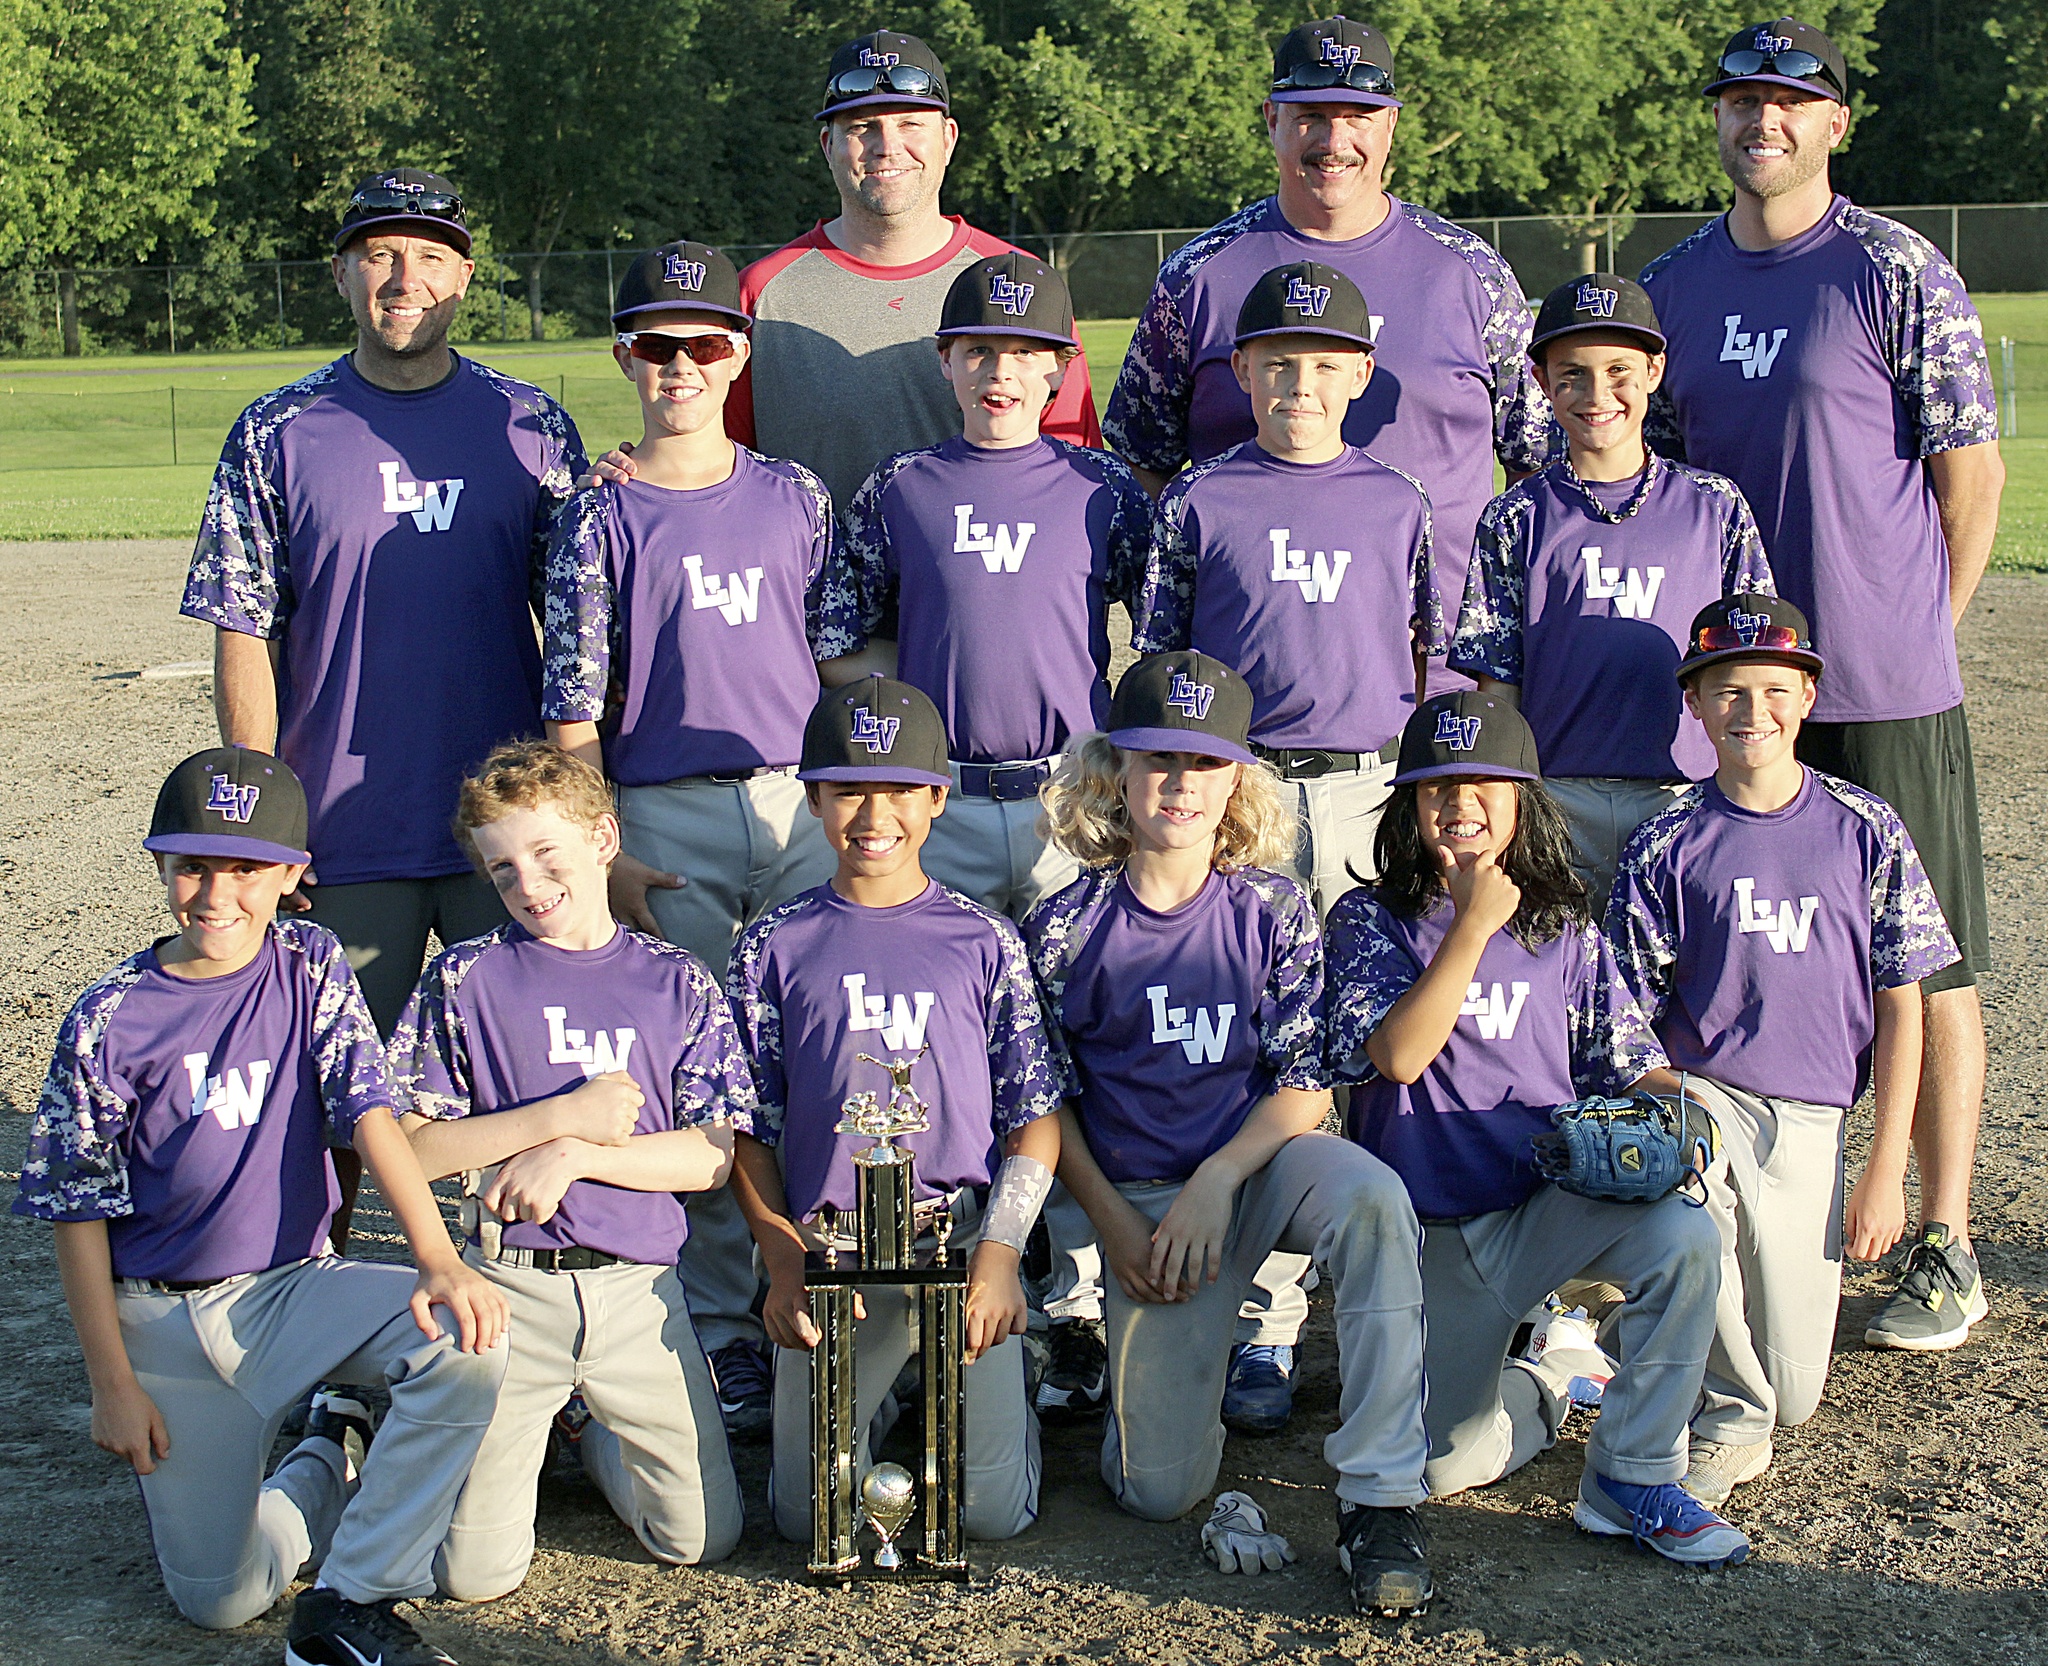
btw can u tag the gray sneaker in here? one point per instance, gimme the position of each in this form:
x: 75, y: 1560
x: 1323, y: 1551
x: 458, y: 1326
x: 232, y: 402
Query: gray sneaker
x: 1715, y: 1469
x: 1940, y: 1296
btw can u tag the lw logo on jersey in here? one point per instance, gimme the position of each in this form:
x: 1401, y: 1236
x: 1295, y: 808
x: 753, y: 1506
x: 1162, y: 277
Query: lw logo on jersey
x: 1787, y: 927
x: 1001, y: 551
x: 1336, y: 52
x: 1494, y: 1011
x: 1767, y: 42
x: 871, y: 59
x: 236, y: 1102
x: 1460, y: 734
x: 594, y: 1052
x: 1188, y: 697
x: 1308, y: 299
x: 431, y: 504
x: 682, y: 272
x: 737, y: 596
x: 1755, y: 351
x: 877, y: 734
x: 1203, y: 1040
x: 1633, y: 593
x: 1597, y: 301
x: 232, y: 803
x: 1013, y: 298
x: 1320, y: 578
x: 900, y: 1021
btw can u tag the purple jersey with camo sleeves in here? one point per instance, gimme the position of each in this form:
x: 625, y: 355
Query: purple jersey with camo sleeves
x: 193, y: 1115
x: 1303, y: 577
x: 999, y: 565
x: 391, y: 545
x: 1539, y: 1028
x: 1755, y: 939
x: 506, y: 1019
x: 1451, y: 389
x: 1582, y: 592
x: 1819, y: 376
x: 1175, y: 1025
x: 700, y: 606
x: 819, y: 980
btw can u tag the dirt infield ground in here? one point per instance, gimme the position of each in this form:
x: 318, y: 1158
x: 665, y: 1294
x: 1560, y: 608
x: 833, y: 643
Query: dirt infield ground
x: 1905, y: 1523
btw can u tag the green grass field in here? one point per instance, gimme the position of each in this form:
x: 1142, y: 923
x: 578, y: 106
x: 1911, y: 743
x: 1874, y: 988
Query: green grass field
x: 122, y: 447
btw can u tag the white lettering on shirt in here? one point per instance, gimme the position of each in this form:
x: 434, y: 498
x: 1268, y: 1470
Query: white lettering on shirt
x: 1786, y: 926
x: 1202, y: 1041
x: 234, y: 1102
x: 431, y: 504
x: 1000, y: 552
x: 738, y: 598
x: 1633, y: 595
x: 603, y: 1051
x: 1319, y: 579
x: 1497, y: 1014
x: 901, y: 1023
x: 1756, y: 353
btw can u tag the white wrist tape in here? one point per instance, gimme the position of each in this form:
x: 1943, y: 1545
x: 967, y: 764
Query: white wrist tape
x: 1014, y: 1201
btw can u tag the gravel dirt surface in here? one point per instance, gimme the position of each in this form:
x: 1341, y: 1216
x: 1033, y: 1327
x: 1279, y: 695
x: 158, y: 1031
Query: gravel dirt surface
x: 1903, y: 1524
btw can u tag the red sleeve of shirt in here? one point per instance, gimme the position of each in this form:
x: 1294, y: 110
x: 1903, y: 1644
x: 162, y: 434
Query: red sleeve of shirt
x: 1071, y: 415
x: 739, y: 401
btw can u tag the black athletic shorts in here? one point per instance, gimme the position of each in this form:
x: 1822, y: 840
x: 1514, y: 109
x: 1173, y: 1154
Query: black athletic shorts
x: 1921, y: 766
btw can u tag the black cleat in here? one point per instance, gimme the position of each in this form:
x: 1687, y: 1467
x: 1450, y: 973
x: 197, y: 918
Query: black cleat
x: 1382, y: 1551
x: 1076, y: 1380
x: 338, y: 1415
x: 329, y: 1630
x: 746, y: 1389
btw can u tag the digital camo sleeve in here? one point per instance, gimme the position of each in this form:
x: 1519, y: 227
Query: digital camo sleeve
x: 1049, y: 945
x: 1521, y: 415
x: 1147, y: 418
x: 858, y: 589
x: 1661, y: 431
x: 578, y: 617
x: 1367, y: 972
x: 348, y: 1054
x: 1909, y: 935
x: 429, y: 1046
x: 1292, y: 1009
x: 1130, y: 534
x: 824, y: 528
x: 1025, y: 1083
x: 76, y: 1167
x: 1611, y: 1040
x: 1164, y: 620
x: 1641, y: 928
x: 1488, y: 639
x: 1428, y: 619
x: 757, y: 1015
x: 712, y: 1082
x: 1744, y: 565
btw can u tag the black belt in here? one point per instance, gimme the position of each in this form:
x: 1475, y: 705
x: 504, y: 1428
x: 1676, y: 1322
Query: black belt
x: 1004, y: 783
x: 574, y: 1259
x: 1311, y: 763
x: 177, y: 1286
x: 735, y: 777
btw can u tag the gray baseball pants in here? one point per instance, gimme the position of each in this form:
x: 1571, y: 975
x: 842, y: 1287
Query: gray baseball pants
x: 1323, y: 1199
x: 1603, y: 811
x: 992, y: 851
x: 226, y: 1363
x: 1001, y: 1465
x: 744, y: 846
x: 655, y: 1443
x: 1775, y: 1194
x: 1480, y: 1278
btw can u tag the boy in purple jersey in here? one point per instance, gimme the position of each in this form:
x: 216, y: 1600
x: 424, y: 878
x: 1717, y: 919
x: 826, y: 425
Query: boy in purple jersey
x: 681, y: 606
x: 1470, y: 995
x: 1185, y: 986
x: 884, y: 961
x: 1583, y: 575
x: 1775, y: 924
x: 1252, y: 564
x: 1830, y: 362
x: 992, y: 560
x: 579, y: 1076
x: 181, y: 1147
x: 1454, y: 391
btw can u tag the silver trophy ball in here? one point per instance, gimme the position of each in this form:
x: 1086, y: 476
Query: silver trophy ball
x: 888, y: 1496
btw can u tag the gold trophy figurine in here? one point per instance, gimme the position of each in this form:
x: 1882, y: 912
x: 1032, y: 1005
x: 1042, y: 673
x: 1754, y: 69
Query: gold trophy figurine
x: 885, y: 1211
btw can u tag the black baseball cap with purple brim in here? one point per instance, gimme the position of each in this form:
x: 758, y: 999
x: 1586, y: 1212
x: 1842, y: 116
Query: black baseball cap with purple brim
x: 1334, y: 61
x: 1597, y: 301
x: 405, y: 200
x: 1785, y: 53
x: 1467, y: 733
x: 876, y: 729
x: 1305, y: 298
x: 234, y: 802
x: 1749, y: 626
x: 677, y: 275
x: 1183, y: 702
x: 884, y: 70
x: 1009, y: 295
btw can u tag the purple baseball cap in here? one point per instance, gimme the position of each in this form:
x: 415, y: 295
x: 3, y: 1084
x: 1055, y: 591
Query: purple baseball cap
x: 231, y: 801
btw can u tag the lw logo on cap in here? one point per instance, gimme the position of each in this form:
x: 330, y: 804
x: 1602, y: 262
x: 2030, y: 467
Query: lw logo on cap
x: 1460, y: 734
x: 1308, y: 299
x: 1336, y: 52
x: 1748, y: 626
x: 871, y: 59
x: 877, y: 734
x: 233, y: 803
x: 1013, y: 298
x: 682, y: 272
x: 1596, y: 302
x: 1773, y: 44
x: 1189, y: 697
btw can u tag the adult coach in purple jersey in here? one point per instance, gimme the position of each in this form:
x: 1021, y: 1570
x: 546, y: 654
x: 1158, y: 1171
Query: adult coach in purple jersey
x: 370, y: 557
x: 1452, y: 390
x: 1829, y: 361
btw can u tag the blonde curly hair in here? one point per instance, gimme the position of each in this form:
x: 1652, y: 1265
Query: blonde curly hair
x: 527, y: 775
x: 1083, y: 811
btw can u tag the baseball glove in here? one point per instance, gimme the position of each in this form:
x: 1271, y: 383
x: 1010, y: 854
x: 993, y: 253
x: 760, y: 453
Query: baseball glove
x: 1633, y: 1150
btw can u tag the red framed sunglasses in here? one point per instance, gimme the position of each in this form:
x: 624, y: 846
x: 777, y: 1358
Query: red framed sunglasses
x: 1718, y: 639
x: 657, y: 348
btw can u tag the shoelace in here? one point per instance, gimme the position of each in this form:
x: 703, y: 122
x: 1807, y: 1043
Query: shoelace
x: 740, y: 1372
x: 1264, y: 1356
x: 1074, y: 1349
x: 1374, y: 1532
x: 1665, y: 1506
x: 382, y: 1620
x: 1924, y: 1261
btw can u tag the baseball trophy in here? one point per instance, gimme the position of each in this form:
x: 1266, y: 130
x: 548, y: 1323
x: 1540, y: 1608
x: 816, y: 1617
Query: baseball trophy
x: 886, y: 1253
